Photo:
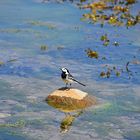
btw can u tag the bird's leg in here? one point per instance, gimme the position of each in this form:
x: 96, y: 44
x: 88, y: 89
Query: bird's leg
x: 66, y: 85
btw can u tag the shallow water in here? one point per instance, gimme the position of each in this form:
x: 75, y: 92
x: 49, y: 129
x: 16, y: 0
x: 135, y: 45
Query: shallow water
x: 29, y: 74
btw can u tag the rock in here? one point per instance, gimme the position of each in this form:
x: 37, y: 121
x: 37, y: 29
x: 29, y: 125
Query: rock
x: 70, y: 99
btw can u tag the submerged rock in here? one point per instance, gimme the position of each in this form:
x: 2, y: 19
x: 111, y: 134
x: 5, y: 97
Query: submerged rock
x: 70, y: 99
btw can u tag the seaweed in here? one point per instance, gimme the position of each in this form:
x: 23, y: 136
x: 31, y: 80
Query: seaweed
x: 18, y: 124
x: 1, y: 63
x: 117, y: 13
x: 105, y: 40
x: 111, y: 71
x: 44, y: 47
x: 91, y: 53
x: 42, y: 24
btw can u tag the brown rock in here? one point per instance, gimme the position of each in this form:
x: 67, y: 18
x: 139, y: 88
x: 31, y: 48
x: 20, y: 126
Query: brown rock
x: 70, y: 99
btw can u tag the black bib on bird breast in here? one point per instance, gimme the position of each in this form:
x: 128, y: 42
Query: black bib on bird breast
x: 63, y: 75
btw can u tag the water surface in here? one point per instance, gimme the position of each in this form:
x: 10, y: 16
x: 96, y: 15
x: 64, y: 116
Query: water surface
x: 29, y: 74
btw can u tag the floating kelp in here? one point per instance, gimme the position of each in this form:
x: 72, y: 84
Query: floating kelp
x: 44, y: 47
x: 1, y: 63
x: 20, y: 123
x: 114, y: 70
x: 10, y: 30
x: 104, y: 37
x: 130, y: 2
x: 42, y: 23
x: 105, y: 74
x: 95, y: 6
x: 112, y: 12
x: 102, y: 74
x: 111, y: 71
x: 115, y: 13
x: 12, y: 60
x: 27, y: 31
x: 106, y: 43
x: 119, y: 8
x: 9, y: 61
x: 105, y: 40
x: 91, y: 53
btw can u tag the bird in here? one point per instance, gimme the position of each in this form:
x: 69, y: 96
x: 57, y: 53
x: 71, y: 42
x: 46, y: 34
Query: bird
x: 68, y: 78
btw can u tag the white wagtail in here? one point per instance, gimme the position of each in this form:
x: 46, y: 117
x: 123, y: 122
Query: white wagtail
x: 68, y: 78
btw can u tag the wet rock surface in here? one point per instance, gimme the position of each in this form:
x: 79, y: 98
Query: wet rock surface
x: 70, y: 99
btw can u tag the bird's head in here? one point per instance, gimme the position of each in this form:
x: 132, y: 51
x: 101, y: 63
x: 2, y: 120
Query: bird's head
x: 64, y: 70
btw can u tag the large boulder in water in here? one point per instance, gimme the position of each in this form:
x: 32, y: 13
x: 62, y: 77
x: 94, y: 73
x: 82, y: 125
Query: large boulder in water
x: 70, y: 99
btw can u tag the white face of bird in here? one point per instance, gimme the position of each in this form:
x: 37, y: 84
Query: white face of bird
x: 65, y: 70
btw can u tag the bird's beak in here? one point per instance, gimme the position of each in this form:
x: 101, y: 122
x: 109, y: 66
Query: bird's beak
x: 60, y: 69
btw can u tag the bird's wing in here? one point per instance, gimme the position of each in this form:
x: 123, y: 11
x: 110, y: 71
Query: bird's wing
x: 72, y: 78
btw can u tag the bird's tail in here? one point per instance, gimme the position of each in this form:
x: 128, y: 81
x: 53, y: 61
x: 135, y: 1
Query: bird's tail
x: 79, y: 82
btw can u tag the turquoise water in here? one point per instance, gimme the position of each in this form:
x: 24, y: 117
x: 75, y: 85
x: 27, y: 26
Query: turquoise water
x: 29, y: 74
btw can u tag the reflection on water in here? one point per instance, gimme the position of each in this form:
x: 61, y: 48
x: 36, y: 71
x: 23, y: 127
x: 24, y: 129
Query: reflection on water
x: 66, y: 123
x: 69, y: 100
